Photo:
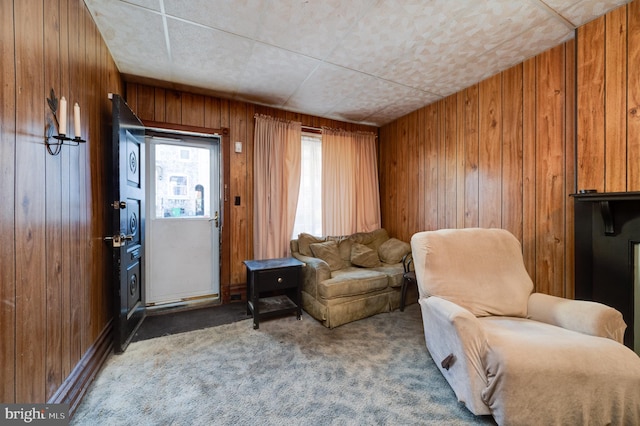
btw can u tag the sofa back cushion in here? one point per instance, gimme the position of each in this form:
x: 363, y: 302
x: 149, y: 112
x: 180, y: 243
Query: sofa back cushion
x: 328, y: 251
x: 481, y: 270
x: 393, y: 250
x: 373, y: 239
x: 305, y: 240
x: 363, y: 256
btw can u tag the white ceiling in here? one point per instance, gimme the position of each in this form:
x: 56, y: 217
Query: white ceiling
x: 362, y: 61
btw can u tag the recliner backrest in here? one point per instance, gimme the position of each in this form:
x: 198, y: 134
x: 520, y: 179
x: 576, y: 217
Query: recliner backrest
x: 479, y: 269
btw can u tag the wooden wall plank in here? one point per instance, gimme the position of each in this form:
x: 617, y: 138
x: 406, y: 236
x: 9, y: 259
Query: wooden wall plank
x: 591, y: 134
x: 431, y: 194
x: 450, y: 162
x: 145, y: 99
x: 460, y: 159
x: 411, y: 156
x: 570, y: 167
x: 211, y: 113
x: 173, y: 107
x: 633, y: 96
x: 159, y: 109
x: 471, y: 157
x: 68, y: 230
x: 529, y: 183
x: 193, y: 110
x: 615, y: 99
x: 7, y: 212
x: 76, y: 57
x: 53, y: 207
x: 441, y: 162
x: 401, y: 192
x: 512, y: 183
x: 238, y: 188
x: 550, y: 196
x: 30, y: 238
x: 490, y: 153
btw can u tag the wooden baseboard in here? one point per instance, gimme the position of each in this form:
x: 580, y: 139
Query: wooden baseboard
x: 75, y: 386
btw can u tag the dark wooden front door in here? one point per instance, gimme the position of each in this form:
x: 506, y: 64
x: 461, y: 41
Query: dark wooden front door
x: 127, y: 206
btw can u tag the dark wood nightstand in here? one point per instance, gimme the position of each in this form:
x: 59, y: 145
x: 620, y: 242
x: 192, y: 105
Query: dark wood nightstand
x: 281, y: 276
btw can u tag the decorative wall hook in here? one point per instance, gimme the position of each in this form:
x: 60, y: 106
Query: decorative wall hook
x: 54, y: 147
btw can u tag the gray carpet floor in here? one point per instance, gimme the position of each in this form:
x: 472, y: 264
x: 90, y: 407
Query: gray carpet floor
x: 375, y: 371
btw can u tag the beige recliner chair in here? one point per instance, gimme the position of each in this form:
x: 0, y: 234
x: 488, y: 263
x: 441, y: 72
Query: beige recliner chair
x: 523, y: 358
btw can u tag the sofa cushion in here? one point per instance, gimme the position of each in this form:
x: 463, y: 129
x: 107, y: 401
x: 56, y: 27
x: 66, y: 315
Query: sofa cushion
x: 392, y: 250
x: 352, y: 281
x: 373, y: 239
x: 328, y: 251
x: 305, y: 240
x: 344, y: 246
x: 362, y: 255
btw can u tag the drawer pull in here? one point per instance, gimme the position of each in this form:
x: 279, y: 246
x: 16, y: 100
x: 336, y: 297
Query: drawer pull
x: 279, y: 280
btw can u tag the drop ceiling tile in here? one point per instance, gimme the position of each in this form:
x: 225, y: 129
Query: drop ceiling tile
x: 147, y: 4
x: 380, y: 95
x: 325, y: 88
x: 218, y: 61
x: 579, y: 12
x: 272, y: 75
x: 313, y: 28
x: 134, y: 37
x: 240, y: 17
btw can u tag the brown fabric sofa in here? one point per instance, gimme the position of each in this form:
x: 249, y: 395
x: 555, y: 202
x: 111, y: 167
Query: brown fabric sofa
x: 347, y: 278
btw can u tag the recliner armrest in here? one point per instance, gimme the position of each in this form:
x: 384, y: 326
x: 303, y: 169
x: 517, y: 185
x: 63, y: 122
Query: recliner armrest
x: 457, y: 342
x: 586, y: 317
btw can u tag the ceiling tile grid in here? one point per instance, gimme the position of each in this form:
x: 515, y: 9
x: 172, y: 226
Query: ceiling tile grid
x: 363, y: 61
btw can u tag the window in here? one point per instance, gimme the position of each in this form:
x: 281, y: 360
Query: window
x: 178, y: 185
x: 309, y: 211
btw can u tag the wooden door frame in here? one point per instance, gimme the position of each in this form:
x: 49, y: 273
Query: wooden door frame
x: 225, y: 152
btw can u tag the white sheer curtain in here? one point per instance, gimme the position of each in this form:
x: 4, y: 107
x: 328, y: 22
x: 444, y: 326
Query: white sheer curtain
x: 350, y: 194
x: 309, y: 213
x: 276, y: 175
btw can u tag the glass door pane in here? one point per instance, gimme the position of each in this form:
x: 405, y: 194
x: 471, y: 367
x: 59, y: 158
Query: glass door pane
x: 182, y: 177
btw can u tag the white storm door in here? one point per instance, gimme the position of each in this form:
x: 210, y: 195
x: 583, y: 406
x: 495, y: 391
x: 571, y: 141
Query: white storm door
x: 184, y: 219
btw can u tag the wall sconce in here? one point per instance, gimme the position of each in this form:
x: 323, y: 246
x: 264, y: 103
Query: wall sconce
x: 61, y: 125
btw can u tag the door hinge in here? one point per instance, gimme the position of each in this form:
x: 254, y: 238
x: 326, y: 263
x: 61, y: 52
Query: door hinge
x: 119, y: 205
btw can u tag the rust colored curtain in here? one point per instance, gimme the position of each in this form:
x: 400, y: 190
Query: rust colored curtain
x: 350, y: 190
x: 276, y: 185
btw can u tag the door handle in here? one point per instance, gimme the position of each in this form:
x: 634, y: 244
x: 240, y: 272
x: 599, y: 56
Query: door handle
x: 215, y: 218
x: 119, y: 240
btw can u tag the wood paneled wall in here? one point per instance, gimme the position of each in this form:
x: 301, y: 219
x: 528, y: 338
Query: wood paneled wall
x: 608, y: 128
x: 182, y: 109
x: 54, y: 267
x: 497, y: 154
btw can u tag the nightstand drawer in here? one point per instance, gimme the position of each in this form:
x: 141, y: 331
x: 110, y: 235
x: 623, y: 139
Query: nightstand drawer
x: 276, y: 279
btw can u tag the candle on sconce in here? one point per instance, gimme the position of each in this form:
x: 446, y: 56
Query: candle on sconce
x: 76, y: 119
x: 63, y: 117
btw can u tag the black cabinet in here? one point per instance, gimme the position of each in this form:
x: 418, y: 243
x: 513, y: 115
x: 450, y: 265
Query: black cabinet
x: 273, y: 288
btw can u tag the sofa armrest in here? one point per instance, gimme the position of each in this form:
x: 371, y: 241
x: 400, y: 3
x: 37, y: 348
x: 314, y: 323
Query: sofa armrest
x: 315, y: 271
x: 582, y: 316
x: 457, y: 343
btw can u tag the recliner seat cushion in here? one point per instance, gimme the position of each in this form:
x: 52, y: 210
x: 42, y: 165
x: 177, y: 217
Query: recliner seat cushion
x: 548, y: 373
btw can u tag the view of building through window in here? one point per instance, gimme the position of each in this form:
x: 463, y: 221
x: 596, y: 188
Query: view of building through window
x: 182, y: 174
x: 309, y: 212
